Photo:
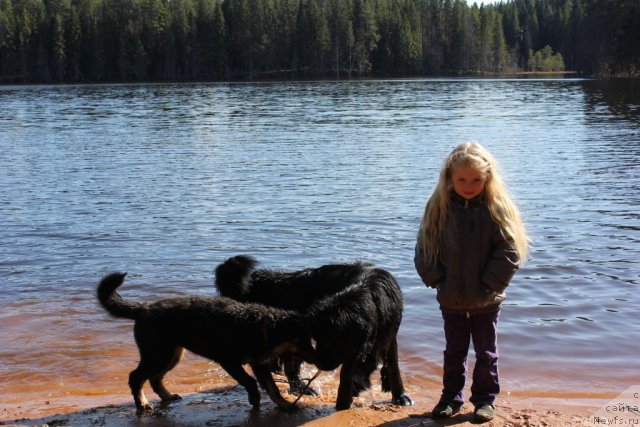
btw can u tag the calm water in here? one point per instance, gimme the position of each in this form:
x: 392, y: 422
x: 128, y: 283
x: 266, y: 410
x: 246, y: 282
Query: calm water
x: 166, y: 181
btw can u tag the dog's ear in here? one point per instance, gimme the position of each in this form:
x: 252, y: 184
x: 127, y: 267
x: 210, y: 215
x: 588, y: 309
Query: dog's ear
x: 233, y: 277
x: 245, y: 261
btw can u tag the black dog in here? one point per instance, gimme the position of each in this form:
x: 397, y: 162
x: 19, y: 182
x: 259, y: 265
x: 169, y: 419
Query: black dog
x: 297, y: 290
x: 354, y: 312
x: 226, y: 331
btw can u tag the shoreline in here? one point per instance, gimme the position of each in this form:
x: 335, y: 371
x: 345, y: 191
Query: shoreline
x: 228, y: 405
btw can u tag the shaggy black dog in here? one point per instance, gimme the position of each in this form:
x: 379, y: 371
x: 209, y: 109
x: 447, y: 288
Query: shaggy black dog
x: 354, y: 313
x: 226, y: 331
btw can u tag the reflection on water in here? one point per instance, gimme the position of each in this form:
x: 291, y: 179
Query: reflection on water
x: 617, y: 99
x: 166, y: 181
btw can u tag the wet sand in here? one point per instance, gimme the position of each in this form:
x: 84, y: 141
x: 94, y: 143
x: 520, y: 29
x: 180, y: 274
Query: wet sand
x: 78, y: 377
x: 228, y: 406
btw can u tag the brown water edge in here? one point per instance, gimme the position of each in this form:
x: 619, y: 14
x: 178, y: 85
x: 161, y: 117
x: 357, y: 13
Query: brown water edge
x: 211, y: 396
x: 75, y: 359
x: 226, y: 404
x: 215, y: 410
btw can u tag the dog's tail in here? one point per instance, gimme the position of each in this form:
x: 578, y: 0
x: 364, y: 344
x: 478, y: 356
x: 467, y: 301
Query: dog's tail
x: 113, y: 302
x: 233, y: 277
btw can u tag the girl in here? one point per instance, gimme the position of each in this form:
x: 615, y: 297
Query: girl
x: 470, y: 244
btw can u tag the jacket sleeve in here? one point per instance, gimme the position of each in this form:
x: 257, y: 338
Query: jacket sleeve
x: 431, y: 275
x: 503, y: 262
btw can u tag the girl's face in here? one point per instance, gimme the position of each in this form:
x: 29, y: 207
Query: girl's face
x: 467, y: 181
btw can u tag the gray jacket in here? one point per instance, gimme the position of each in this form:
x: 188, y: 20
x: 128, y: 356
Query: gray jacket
x: 476, y: 261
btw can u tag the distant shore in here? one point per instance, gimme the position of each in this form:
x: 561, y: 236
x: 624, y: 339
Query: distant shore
x: 283, y: 78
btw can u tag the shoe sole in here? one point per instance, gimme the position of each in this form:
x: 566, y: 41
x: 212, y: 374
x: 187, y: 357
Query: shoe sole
x: 483, y: 418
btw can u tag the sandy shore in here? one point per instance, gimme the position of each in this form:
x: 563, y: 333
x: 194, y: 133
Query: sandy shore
x: 228, y: 406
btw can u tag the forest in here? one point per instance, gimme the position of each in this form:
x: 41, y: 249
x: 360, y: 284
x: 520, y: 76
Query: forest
x: 88, y: 41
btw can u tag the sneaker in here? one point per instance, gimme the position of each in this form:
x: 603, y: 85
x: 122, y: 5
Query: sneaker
x: 484, y: 412
x: 445, y: 409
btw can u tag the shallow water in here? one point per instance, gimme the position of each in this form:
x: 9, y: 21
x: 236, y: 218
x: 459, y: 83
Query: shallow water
x: 166, y: 181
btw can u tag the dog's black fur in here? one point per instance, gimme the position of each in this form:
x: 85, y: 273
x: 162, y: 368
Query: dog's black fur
x: 297, y: 290
x: 226, y: 331
x: 354, y: 313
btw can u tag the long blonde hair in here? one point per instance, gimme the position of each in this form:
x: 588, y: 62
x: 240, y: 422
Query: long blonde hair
x: 500, y: 205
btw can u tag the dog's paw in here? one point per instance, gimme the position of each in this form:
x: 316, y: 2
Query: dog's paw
x: 402, y: 400
x: 172, y: 398
x: 144, y: 408
x: 254, y: 400
x: 341, y: 406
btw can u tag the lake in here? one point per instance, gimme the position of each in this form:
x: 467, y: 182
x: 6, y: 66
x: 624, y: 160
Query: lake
x: 166, y: 181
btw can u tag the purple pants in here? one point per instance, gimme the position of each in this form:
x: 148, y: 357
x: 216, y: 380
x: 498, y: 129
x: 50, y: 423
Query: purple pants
x: 459, y: 330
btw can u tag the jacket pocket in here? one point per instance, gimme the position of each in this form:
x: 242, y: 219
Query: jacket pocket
x: 449, y: 297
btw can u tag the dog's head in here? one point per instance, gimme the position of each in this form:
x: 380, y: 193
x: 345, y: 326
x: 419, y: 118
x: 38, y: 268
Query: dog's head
x: 342, y: 327
x: 233, y: 277
x: 292, y: 336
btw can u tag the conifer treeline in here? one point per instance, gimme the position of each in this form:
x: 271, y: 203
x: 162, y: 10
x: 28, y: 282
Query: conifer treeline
x: 143, y: 40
